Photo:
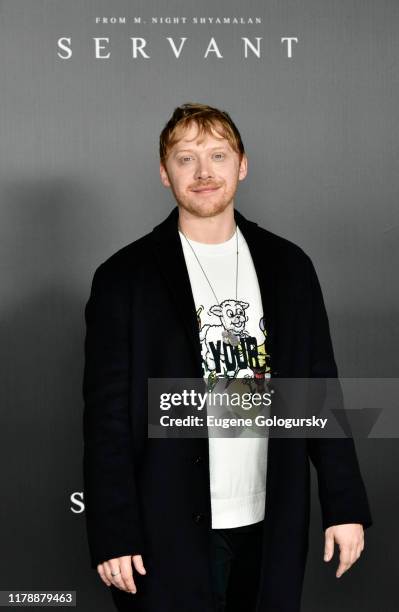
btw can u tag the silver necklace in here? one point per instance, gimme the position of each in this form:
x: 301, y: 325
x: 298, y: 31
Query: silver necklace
x: 228, y: 335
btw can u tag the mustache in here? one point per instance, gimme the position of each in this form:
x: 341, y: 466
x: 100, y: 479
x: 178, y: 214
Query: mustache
x: 205, y: 186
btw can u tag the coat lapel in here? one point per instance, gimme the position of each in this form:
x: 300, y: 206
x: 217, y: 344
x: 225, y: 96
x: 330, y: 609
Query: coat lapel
x: 170, y: 258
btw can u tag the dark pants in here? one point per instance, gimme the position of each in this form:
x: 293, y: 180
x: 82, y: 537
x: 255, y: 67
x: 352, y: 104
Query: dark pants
x: 235, y: 566
x: 235, y: 561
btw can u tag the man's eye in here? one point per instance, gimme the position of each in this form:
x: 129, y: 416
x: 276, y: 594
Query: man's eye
x: 219, y: 155
x: 185, y: 159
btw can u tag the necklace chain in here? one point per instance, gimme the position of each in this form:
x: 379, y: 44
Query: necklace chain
x: 188, y: 242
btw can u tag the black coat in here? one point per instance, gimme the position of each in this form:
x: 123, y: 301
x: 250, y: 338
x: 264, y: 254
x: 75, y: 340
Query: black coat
x: 152, y: 496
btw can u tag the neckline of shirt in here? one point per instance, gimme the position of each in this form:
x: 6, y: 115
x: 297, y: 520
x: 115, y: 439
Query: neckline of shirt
x: 215, y: 249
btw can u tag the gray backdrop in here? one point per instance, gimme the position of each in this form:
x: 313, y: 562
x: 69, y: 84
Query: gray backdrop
x: 79, y: 179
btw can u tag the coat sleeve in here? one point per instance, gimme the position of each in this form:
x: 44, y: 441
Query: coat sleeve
x: 110, y: 495
x: 341, y: 489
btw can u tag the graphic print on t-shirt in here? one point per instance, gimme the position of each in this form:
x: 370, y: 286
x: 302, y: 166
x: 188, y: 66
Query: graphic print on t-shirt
x: 228, y: 350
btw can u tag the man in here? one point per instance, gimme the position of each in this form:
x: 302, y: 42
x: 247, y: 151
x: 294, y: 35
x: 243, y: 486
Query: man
x: 207, y: 524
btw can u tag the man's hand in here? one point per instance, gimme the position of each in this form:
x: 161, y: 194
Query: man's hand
x: 124, y: 579
x: 350, y: 539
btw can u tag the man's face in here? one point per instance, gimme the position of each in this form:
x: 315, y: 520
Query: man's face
x: 203, y: 172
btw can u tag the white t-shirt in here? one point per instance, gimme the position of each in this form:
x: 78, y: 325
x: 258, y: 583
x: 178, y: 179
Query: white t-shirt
x: 237, y: 465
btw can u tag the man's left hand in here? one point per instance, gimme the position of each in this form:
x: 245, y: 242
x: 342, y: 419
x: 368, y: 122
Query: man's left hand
x: 350, y: 539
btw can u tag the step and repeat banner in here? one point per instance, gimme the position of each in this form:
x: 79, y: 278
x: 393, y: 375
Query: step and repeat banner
x: 86, y: 89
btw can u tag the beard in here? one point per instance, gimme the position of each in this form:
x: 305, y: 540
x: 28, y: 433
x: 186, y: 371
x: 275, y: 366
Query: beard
x: 208, y: 205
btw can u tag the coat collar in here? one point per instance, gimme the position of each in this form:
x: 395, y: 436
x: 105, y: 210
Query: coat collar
x: 170, y: 257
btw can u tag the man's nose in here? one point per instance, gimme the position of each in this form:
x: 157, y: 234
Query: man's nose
x: 203, y: 169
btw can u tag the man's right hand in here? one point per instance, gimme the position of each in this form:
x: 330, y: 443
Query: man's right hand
x: 124, y: 579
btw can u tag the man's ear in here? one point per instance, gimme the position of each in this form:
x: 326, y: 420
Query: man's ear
x: 243, y: 168
x: 164, y: 175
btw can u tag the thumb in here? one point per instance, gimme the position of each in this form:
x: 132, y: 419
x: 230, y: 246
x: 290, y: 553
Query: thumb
x: 138, y: 564
x: 328, y: 546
